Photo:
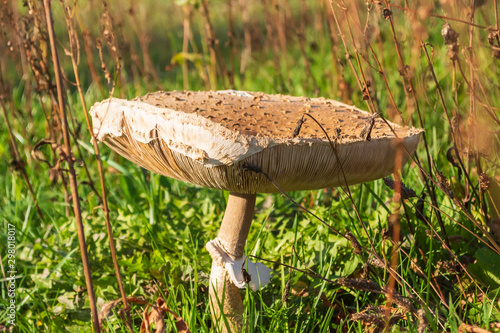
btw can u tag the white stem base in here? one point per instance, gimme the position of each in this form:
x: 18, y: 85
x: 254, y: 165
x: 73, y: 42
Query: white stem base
x: 225, y: 301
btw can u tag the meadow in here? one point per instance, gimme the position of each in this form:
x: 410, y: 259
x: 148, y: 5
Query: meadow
x: 419, y: 251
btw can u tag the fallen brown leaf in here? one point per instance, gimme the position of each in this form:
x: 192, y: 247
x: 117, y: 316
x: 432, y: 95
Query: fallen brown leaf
x: 156, y: 316
x: 108, y: 307
x: 152, y: 314
x: 471, y: 329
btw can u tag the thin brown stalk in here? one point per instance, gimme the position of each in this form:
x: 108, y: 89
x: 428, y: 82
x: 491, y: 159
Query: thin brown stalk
x: 461, y: 21
x: 489, y: 108
x: 186, y: 22
x: 247, y: 50
x: 301, y: 36
x: 397, y: 277
x: 453, y: 256
x: 104, y: 200
x: 90, y: 61
x: 445, y: 109
x: 18, y: 162
x: 344, y: 89
x: 496, y: 13
x: 273, y: 41
x: 366, y: 87
x: 472, y: 104
x: 232, y: 44
x: 24, y: 61
x: 405, y: 80
x: 401, y: 63
x: 216, y: 59
x: 344, y: 43
x: 144, y: 40
x: 457, y: 202
x: 72, y: 174
x: 379, y: 68
x: 447, y: 18
x: 280, y: 26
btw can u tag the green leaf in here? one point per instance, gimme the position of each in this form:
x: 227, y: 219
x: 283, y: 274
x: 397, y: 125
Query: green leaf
x: 487, y: 267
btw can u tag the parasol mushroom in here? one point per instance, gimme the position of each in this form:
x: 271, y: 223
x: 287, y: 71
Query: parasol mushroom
x: 238, y: 141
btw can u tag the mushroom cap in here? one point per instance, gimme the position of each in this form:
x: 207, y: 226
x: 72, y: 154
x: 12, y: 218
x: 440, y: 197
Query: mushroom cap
x: 212, y: 139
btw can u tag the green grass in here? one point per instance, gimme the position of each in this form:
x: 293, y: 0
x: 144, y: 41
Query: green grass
x: 162, y: 225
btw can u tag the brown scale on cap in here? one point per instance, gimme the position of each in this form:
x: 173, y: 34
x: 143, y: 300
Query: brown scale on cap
x: 272, y: 115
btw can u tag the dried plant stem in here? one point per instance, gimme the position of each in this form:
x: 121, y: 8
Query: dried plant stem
x: 453, y: 255
x: 489, y: 109
x: 379, y: 68
x: 495, y: 4
x: 273, y: 41
x: 397, y: 277
x: 430, y: 188
x: 340, y: 83
x: 104, y: 199
x: 144, y: 43
x: 247, y: 50
x: 301, y: 36
x: 72, y: 175
x: 232, y: 44
x: 447, y: 18
x: 280, y: 26
x: 213, y: 46
x: 90, y: 61
x: 347, y: 55
x: 18, y: 161
x: 494, y: 245
x: 24, y: 61
x: 185, y: 44
x: 472, y: 104
x: 365, y: 90
x: 401, y: 63
x: 445, y: 109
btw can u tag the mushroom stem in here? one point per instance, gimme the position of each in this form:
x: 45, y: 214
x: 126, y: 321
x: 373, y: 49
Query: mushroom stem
x: 225, y: 298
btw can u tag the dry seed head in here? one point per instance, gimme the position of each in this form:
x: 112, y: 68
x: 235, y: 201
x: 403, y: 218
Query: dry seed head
x: 422, y: 321
x: 402, y: 302
x: 366, y: 270
x: 447, y: 266
x: 416, y: 268
x: 286, y: 294
x: 419, y: 208
x: 354, y: 243
x: 359, y: 284
x: 494, y: 40
x: 387, y: 13
x: 484, y: 181
x: 444, y: 185
x: 450, y: 37
x: 374, y: 261
x: 374, y: 319
x: 374, y: 309
x: 406, y: 192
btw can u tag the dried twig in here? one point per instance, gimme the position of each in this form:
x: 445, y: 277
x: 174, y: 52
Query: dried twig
x: 72, y: 173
